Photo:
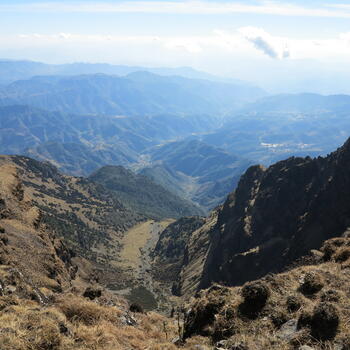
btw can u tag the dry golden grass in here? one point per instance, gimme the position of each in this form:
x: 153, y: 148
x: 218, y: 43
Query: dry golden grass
x: 263, y: 330
x: 87, y: 312
x: 75, y: 323
x: 135, y: 239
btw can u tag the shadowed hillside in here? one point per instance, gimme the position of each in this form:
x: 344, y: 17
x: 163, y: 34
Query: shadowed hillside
x: 275, y: 216
x: 142, y: 194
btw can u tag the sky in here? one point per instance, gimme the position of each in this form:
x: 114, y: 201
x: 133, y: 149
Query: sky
x: 281, y: 45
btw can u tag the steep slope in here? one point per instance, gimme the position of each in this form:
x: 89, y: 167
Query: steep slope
x: 142, y: 194
x: 275, y: 216
x: 139, y: 93
x: 91, y: 220
x: 43, y: 303
x: 33, y: 262
x: 306, y: 307
x: 170, y: 252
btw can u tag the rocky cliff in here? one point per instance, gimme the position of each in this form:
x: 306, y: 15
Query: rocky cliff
x: 274, y: 217
x: 278, y: 214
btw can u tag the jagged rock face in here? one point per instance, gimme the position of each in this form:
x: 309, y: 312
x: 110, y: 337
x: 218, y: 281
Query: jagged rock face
x: 278, y: 214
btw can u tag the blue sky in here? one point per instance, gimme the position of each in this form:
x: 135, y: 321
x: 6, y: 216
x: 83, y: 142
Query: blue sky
x: 252, y: 40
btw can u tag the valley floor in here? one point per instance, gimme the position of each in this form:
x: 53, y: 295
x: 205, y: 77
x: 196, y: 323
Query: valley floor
x: 135, y: 261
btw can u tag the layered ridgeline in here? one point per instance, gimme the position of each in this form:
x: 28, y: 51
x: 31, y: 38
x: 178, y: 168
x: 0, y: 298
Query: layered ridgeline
x: 203, y: 173
x: 142, y: 194
x: 275, y: 216
x: 79, y: 145
x: 12, y: 70
x: 139, y: 93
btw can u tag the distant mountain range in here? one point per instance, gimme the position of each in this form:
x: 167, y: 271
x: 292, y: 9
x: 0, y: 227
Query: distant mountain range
x: 300, y: 103
x: 193, y: 137
x: 138, y: 94
x: 12, y: 70
x: 276, y: 127
x: 80, y: 144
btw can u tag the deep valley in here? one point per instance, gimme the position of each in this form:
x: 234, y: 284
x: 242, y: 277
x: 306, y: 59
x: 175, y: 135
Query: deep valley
x: 167, y: 209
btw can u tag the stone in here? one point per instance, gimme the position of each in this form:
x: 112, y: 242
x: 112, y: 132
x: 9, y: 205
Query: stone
x: 128, y: 320
x: 288, y: 330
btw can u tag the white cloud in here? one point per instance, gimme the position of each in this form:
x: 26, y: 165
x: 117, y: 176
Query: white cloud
x: 264, y: 42
x: 186, y: 7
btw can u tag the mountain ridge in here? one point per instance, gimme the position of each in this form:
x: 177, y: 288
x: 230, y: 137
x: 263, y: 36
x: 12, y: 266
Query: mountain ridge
x: 142, y: 93
x: 142, y: 194
x: 275, y: 216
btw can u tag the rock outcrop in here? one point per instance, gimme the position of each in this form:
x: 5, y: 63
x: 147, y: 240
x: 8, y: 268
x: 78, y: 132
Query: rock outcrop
x: 277, y: 215
x: 273, y: 218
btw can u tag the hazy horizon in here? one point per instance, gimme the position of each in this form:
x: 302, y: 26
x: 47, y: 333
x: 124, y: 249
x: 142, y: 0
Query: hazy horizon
x: 280, y: 46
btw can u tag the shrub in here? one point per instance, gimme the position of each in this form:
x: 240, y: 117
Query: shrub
x: 312, y: 283
x: 304, y: 320
x: 342, y: 254
x: 201, y: 316
x: 92, y: 293
x: 135, y: 307
x: 255, y: 295
x: 330, y: 295
x: 279, y: 318
x: 325, y: 321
